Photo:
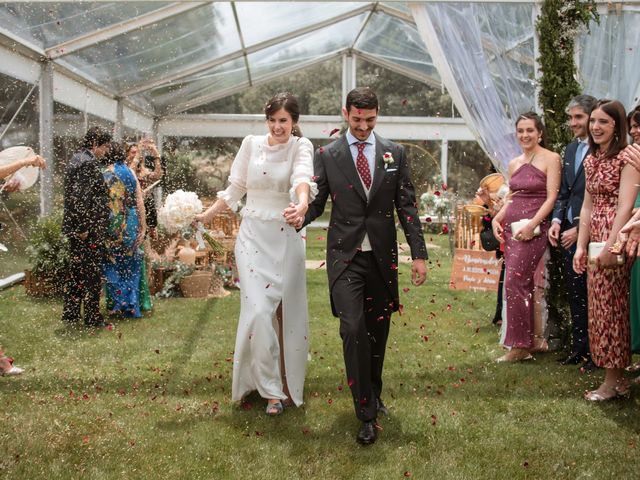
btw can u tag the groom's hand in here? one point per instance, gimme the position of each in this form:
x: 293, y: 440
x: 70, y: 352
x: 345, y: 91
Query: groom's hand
x: 418, y: 271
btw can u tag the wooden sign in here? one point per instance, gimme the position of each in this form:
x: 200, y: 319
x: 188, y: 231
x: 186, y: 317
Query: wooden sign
x: 475, y: 270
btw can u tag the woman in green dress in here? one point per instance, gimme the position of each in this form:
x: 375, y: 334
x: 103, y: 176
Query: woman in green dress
x: 634, y: 130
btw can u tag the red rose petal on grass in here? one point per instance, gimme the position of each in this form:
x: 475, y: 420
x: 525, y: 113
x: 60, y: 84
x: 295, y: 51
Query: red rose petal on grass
x: 320, y: 238
x: 330, y: 401
x: 445, y: 229
x: 404, y: 102
x: 246, y: 406
x: 259, y: 434
x: 405, y: 289
x: 448, y: 306
x: 85, y: 439
x: 425, y: 338
x: 407, y: 474
x: 400, y: 309
x: 306, y: 430
x: 433, y: 419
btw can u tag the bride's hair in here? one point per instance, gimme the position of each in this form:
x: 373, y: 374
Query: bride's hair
x: 289, y: 102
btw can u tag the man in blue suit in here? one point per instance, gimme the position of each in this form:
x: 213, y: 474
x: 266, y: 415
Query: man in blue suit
x: 564, y: 228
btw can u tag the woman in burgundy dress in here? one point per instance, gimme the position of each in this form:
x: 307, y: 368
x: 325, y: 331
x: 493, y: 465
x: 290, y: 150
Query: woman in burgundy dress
x: 534, y: 181
x: 610, y: 192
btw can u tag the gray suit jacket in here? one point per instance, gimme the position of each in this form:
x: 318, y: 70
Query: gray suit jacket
x: 352, y: 215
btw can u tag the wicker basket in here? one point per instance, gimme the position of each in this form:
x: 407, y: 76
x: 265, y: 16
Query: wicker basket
x: 42, y: 286
x: 196, y: 285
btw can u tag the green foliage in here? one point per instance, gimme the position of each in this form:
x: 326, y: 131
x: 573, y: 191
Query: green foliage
x: 48, y: 249
x: 559, y: 22
x: 182, y: 174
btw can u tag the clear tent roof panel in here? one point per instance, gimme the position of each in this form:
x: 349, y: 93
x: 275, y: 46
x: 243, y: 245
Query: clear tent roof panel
x: 162, y: 48
x: 161, y: 54
x: 218, y: 78
x: 397, y: 42
x: 46, y: 24
x: 261, y: 22
x: 309, y: 47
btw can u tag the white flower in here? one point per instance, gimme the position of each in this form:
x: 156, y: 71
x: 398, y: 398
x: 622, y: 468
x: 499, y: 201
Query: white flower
x: 179, y: 210
x: 387, y: 158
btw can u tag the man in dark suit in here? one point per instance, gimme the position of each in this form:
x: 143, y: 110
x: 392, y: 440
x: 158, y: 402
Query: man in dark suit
x: 564, y: 228
x: 368, y: 178
x: 85, y: 223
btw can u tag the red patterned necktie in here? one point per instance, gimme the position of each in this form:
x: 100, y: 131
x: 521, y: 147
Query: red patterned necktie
x: 362, y: 165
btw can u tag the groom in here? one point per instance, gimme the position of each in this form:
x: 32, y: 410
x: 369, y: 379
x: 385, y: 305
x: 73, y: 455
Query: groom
x: 367, y: 177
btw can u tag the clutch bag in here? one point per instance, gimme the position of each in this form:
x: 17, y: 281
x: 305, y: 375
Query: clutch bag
x: 520, y: 224
x: 594, y: 250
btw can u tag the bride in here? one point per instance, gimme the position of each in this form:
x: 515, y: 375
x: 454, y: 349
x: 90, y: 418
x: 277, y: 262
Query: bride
x: 275, y: 172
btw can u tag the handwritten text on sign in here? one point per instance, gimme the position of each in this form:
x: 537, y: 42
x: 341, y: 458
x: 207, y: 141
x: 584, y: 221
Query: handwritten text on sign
x: 475, y: 270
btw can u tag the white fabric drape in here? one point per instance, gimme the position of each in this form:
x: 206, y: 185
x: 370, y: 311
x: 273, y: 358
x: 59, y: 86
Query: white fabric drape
x: 609, y: 57
x: 484, y: 55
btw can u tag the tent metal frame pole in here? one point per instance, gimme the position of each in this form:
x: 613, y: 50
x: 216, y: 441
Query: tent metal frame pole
x: 45, y: 104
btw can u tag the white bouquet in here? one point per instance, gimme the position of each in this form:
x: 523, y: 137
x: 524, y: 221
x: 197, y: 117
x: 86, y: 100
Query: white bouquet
x: 178, y: 214
x: 179, y: 211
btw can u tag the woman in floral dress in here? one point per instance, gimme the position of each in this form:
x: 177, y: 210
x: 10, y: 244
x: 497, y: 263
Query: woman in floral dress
x: 611, y: 189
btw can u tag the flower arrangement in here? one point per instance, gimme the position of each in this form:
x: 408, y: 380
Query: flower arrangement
x: 178, y: 215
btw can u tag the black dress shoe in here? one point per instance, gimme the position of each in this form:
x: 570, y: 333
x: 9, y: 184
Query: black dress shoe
x: 572, y: 359
x: 368, y: 433
x: 382, y: 410
x: 589, y: 366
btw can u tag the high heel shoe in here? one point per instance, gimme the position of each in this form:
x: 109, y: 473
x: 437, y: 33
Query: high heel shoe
x: 274, y: 409
x: 620, y: 391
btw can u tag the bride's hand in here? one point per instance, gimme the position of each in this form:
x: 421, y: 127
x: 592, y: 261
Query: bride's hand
x: 295, y: 212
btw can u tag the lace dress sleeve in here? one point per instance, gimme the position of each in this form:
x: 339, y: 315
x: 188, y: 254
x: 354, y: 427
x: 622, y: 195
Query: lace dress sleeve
x: 302, y: 171
x: 238, y: 177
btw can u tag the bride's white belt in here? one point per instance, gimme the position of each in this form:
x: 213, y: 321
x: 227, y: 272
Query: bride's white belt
x: 266, y: 205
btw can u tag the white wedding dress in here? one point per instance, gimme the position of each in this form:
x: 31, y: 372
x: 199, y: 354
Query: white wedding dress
x: 270, y: 256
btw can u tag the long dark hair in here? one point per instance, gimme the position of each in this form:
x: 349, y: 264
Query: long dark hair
x: 116, y: 153
x: 615, y: 110
x: 537, y: 121
x: 289, y: 103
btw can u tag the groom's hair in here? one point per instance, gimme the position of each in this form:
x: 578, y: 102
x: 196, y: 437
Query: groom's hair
x: 362, y: 97
x: 95, y: 137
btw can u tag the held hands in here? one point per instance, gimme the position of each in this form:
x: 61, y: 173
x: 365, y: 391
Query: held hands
x: 294, y: 214
x: 418, y: 271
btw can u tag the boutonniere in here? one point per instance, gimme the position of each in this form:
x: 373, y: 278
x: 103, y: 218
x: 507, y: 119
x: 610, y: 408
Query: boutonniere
x: 388, y: 159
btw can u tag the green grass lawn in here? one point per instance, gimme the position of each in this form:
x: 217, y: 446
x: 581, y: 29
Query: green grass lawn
x: 151, y: 398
